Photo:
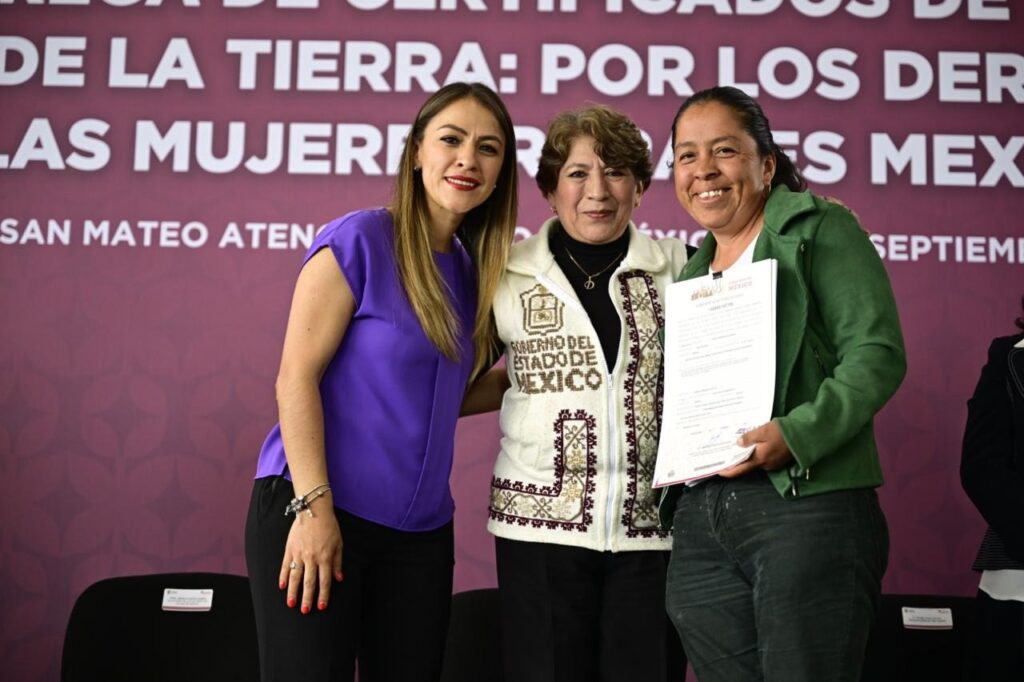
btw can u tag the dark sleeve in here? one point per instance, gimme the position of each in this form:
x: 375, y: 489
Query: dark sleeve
x: 987, y: 471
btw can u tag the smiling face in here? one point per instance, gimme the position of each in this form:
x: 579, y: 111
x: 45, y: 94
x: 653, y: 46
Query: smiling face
x: 459, y: 158
x: 594, y: 202
x: 720, y: 178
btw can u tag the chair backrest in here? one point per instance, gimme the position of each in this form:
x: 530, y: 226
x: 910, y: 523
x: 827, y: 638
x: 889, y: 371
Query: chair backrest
x: 119, y: 632
x: 473, y: 650
x: 896, y: 653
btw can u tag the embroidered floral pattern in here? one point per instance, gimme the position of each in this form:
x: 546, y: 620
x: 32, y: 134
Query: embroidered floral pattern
x: 643, y: 402
x: 568, y: 502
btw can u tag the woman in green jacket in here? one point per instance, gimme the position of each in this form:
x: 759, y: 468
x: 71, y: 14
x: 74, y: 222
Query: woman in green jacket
x: 777, y: 562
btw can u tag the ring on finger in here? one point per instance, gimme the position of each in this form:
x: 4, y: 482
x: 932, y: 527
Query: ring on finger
x: 293, y: 565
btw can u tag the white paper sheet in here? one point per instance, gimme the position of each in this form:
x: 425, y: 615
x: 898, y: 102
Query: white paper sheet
x: 719, y: 370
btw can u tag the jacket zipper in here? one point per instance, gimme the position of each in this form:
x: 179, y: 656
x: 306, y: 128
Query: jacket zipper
x: 821, y: 365
x: 794, y: 488
x: 613, y: 446
x: 795, y: 479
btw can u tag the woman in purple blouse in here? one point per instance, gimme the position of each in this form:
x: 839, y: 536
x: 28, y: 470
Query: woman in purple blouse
x: 349, y: 539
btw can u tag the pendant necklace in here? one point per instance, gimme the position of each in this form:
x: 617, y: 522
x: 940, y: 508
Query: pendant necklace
x: 589, y: 284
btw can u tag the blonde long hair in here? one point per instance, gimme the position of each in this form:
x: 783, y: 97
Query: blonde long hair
x: 486, y: 232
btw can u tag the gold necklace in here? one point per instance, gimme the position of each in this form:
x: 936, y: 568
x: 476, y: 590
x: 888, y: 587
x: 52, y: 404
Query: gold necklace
x: 589, y: 284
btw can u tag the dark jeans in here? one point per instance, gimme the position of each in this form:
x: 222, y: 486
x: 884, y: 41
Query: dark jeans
x: 997, y: 645
x: 570, y: 614
x: 391, y: 611
x: 773, y: 589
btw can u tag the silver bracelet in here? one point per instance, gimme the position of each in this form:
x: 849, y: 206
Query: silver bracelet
x: 301, y: 504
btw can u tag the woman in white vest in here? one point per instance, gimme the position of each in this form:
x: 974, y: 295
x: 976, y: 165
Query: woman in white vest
x: 580, y: 557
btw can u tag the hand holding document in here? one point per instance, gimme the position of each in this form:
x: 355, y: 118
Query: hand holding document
x: 719, y: 370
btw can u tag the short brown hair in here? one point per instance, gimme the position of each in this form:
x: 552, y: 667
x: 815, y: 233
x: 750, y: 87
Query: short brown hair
x: 617, y: 141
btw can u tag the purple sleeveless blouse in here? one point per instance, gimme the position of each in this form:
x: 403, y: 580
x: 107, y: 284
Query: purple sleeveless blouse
x: 391, y: 399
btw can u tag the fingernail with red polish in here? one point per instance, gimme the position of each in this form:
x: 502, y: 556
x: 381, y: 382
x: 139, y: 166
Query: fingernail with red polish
x: 321, y: 605
x: 291, y: 602
x: 340, y: 576
x: 305, y: 609
x: 281, y: 585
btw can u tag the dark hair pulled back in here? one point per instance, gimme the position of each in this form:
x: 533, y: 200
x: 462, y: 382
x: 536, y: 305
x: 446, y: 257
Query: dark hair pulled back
x: 755, y: 123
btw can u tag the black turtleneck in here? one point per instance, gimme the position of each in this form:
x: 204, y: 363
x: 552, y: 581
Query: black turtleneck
x: 592, y: 258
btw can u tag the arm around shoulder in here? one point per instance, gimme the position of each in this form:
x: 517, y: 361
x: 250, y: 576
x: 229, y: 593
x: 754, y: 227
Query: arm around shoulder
x: 677, y: 252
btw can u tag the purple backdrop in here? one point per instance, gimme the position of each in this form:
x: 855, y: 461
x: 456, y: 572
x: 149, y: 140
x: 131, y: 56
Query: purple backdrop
x: 162, y: 168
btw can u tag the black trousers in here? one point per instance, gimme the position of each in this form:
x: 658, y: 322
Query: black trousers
x: 997, y: 645
x: 390, y: 613
x: 570, y: 614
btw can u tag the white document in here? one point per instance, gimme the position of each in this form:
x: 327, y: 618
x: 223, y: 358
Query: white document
x: 719, y: 370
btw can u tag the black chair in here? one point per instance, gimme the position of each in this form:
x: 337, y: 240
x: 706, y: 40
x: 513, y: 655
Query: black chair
x: 473, y: 650
x: 118, y: 632
x: 896, y: 653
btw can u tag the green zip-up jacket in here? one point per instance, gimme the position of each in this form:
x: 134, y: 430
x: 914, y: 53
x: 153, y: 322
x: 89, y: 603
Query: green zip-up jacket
x: 839, y: 347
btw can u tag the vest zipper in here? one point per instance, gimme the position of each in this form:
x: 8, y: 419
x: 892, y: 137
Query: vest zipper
x: 613, y: 446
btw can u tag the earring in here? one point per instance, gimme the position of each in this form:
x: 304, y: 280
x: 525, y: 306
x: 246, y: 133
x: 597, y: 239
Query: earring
x: 415, y: 169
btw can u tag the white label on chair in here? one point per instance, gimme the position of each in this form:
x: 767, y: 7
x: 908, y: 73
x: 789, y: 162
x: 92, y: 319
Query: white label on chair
x: 187, y: 600
x: 927, y: 619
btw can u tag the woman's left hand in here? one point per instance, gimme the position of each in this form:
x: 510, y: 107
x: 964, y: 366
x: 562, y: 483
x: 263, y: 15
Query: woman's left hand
x: 770, y: 451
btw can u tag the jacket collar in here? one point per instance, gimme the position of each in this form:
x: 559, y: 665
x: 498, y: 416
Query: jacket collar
x: 782, y: 207
x: 533, y: 256
x: 1015, y: 360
